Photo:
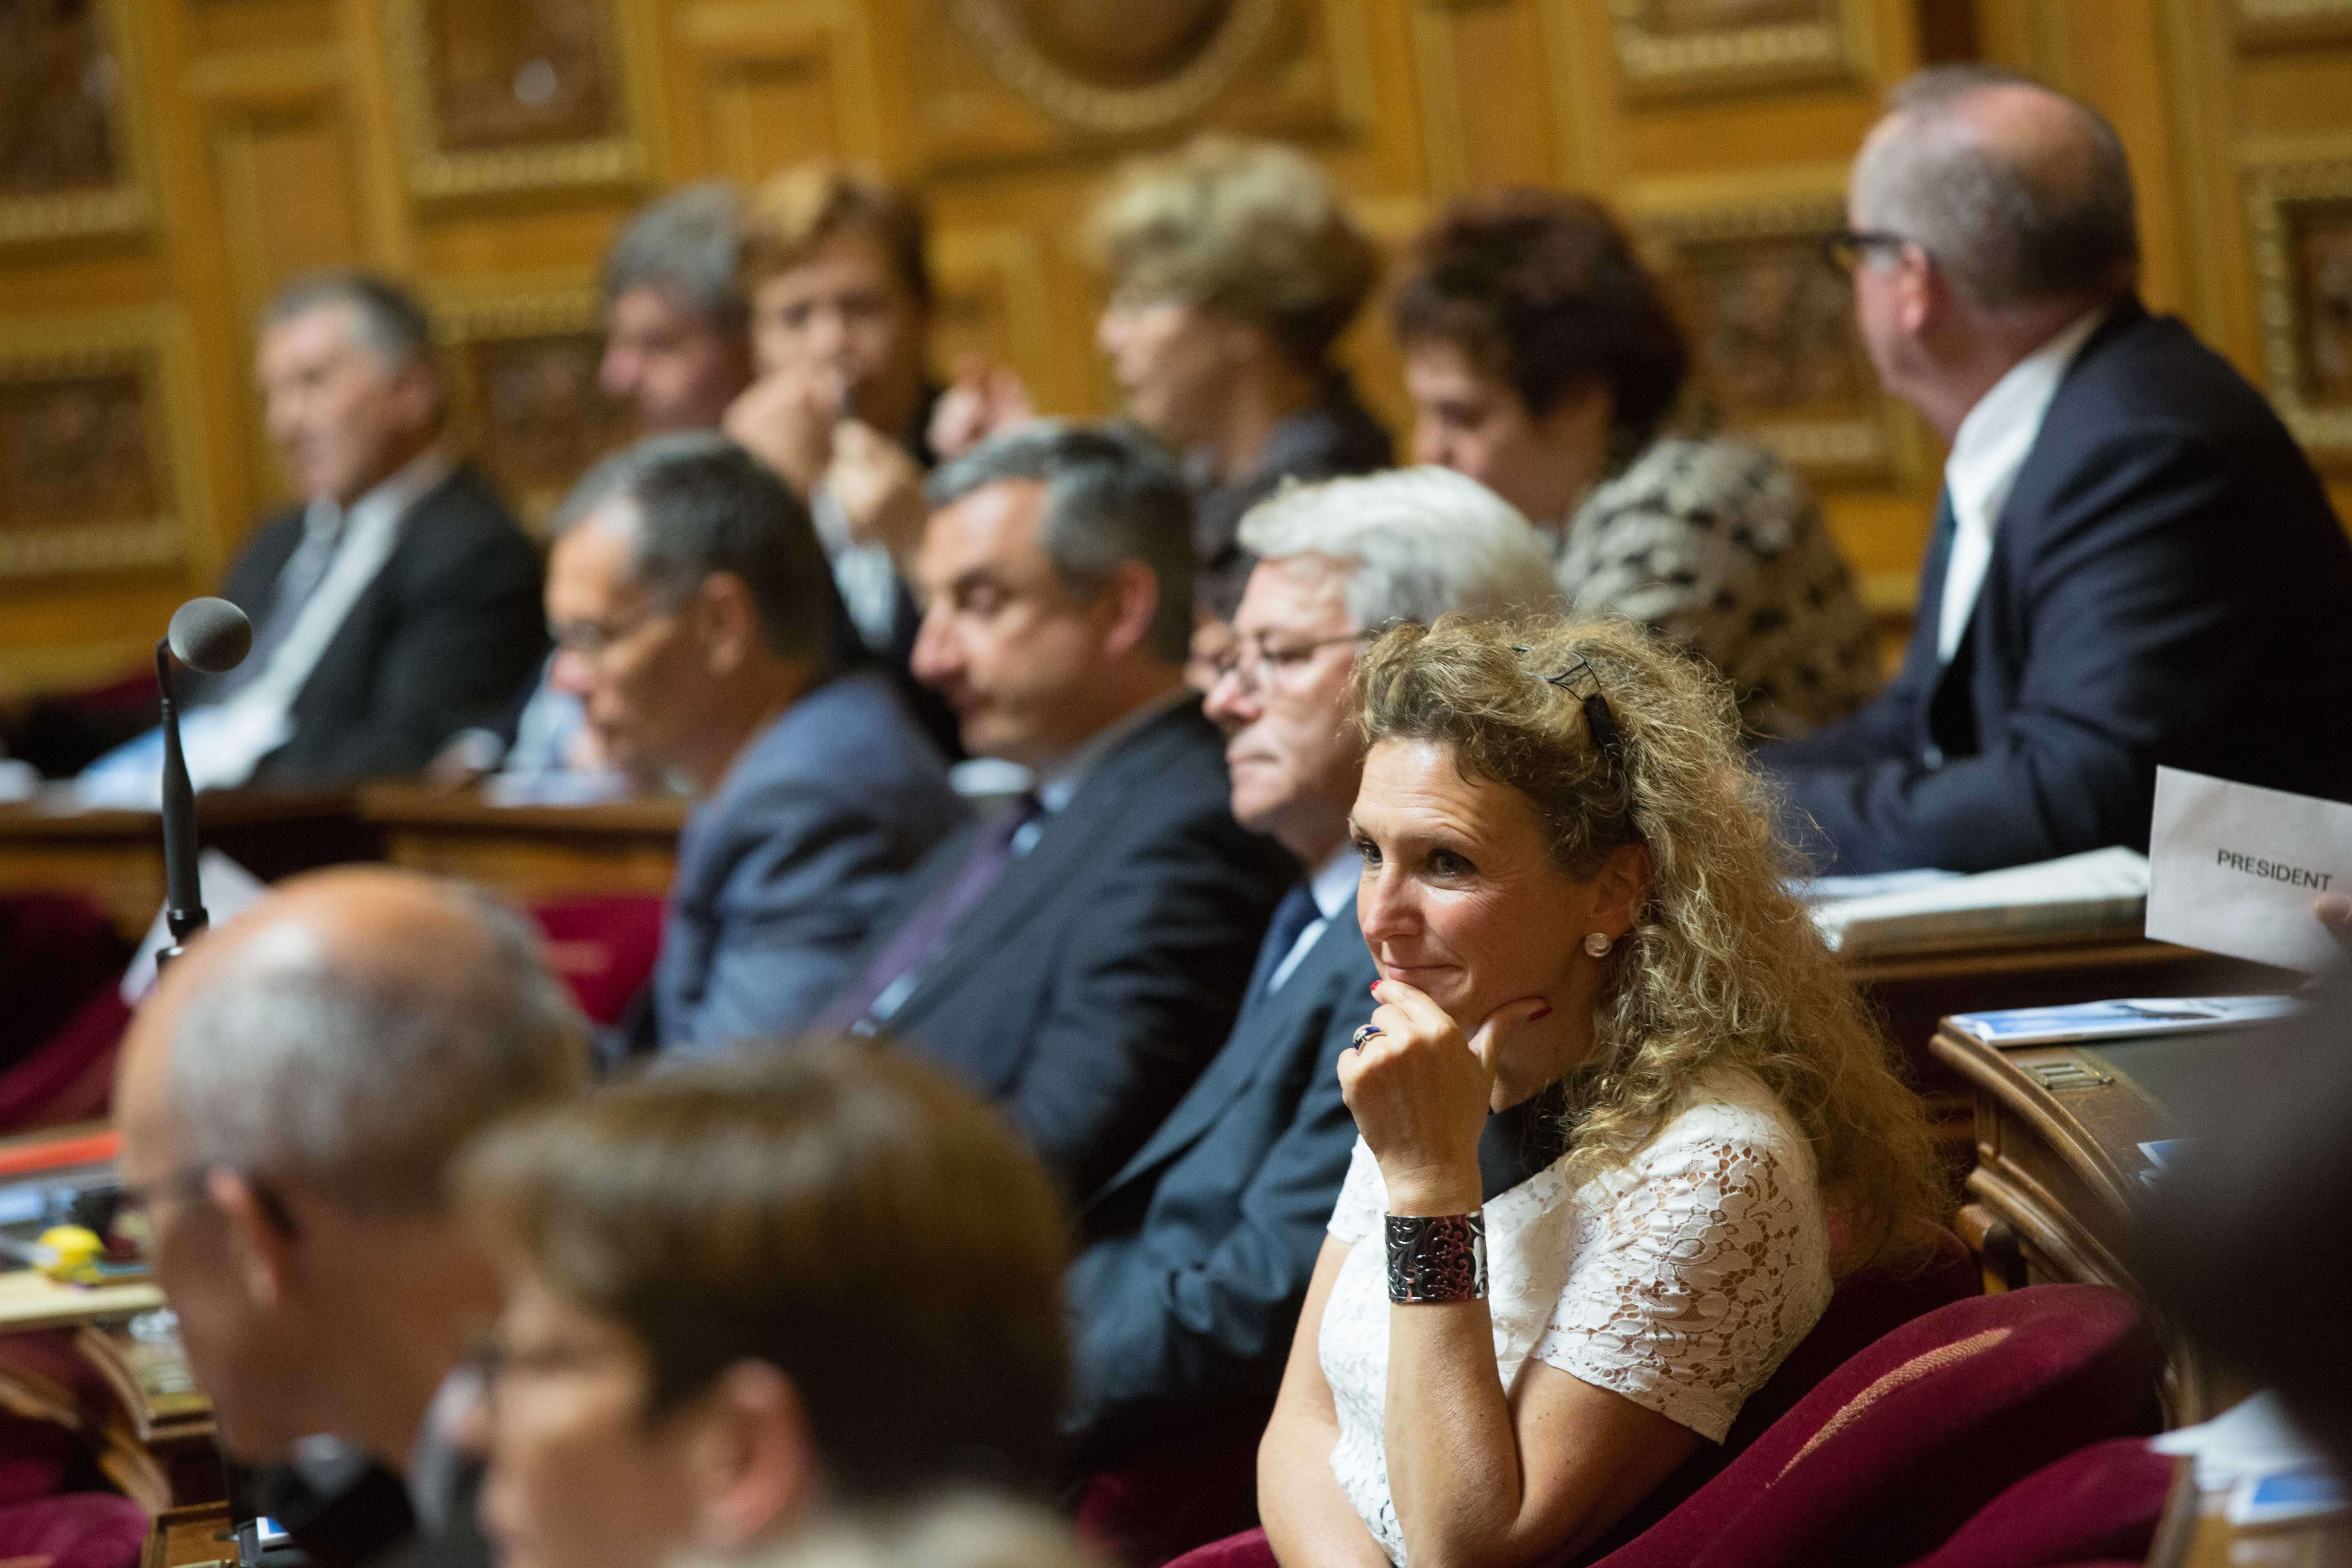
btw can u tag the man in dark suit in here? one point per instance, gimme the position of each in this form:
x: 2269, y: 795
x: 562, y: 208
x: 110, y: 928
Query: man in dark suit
x: 1079, y: 957
x: 397, y: 603
x: 2132, y: 564
x: 695, y: 620
x: 1196, y: 1254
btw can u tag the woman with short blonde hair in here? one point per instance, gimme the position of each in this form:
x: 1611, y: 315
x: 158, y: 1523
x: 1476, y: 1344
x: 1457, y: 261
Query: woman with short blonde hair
x: 1234, y: 267
x: 1615, y: 1092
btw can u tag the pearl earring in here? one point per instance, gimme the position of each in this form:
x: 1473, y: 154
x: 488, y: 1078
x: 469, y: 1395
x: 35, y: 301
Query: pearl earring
x: 1599, y: 943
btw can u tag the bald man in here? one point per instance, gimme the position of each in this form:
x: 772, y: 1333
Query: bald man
x: 2133, y: 563
x: 289, y: 1101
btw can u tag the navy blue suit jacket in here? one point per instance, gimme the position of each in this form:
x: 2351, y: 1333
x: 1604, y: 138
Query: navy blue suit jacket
x: 783, y: 873
x: 1196, y: 1255
x: 1087, y: 989
x: 438, y: 642
x: 2168, y: 584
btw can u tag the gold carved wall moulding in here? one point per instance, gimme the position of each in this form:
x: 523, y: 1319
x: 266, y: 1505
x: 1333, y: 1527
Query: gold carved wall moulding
x: 522, y: 95
x: 1774, y: 348
x: 72, y: 162
x: 2291, y: 22
x: 101, y: 464
x: 521, y: 367
x: 2300, y: 222
x: 1117, y: 66
x: 1673, y: 49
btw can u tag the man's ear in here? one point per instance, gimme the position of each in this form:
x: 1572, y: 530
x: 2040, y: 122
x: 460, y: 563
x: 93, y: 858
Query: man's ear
x: 753, y: 1463
x: 264, y: 1254
x: 1923, y: 295
x: 416, y: 392
x: 726, y: 621
x: 1133, y: 595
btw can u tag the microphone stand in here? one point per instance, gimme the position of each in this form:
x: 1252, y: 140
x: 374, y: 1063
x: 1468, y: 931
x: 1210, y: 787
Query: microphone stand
x: 184, y: 908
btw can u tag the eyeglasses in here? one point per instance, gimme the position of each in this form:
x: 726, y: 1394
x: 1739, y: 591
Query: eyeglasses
x: 594, y: 639
x: 492, y: 1363
x: 133, y: 1202
x: 1843, y: 251
x: 1266, y: 668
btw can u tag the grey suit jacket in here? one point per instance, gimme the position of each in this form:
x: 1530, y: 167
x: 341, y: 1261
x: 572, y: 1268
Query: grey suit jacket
x: 782, y: 874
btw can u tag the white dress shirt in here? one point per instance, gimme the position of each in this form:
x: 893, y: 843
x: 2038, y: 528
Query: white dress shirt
x: 1989, y: 448
x: 1334, y: 881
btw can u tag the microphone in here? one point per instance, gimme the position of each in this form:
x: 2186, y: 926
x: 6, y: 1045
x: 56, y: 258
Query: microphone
x: 211, y: 635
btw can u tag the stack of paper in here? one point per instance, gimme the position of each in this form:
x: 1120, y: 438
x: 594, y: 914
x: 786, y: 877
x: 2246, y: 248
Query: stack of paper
x: 2103, y: 890
x: 2132, y: 1017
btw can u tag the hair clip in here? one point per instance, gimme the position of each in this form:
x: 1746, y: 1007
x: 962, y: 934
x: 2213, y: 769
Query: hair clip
x: 1599, y: 719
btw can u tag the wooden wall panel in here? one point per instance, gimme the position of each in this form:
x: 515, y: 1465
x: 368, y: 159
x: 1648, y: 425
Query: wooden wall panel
x: 488, y: 151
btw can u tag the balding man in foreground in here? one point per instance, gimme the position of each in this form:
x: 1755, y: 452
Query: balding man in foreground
x: 2133, y: 565
x: 290, y: 1101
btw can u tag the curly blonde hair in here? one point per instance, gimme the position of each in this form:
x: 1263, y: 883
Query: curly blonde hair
x: 1251, y: 228
x: 1723, y: 966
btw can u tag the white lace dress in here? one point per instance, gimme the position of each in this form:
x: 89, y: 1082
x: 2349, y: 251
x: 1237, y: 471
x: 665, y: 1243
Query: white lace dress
x: 1680, y: 1280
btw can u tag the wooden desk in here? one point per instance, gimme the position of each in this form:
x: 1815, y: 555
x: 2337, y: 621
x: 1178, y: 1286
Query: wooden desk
x: 1914, y: 992
x: 117, y: 855
x: 185, y: 1536
x: 528, y: 852
x: 2058, y: 1167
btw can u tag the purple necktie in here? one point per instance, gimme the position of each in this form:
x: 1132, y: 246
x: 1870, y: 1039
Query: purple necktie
x: 929, y: 929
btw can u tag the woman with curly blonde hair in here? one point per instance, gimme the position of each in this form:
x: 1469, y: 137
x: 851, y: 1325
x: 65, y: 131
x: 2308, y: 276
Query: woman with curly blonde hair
x: 1614, y: 1089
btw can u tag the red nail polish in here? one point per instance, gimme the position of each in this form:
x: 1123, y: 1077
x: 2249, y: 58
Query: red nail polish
x: 1539, y: 1012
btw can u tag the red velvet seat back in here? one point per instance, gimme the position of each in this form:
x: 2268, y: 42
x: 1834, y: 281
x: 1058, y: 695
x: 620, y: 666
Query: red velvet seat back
x: 2103, y: 1502
x: 1867, y: 1307
x: 1891, y: 1454
x: 604, y: 947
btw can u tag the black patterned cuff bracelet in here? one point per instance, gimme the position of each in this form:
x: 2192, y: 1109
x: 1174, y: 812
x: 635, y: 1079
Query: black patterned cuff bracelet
x: 1437, y: 1257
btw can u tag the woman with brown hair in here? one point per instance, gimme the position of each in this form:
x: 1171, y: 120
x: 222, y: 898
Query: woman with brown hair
x: 1543, y: 362
x: 743, y: 1298
x: 1615, y: 1088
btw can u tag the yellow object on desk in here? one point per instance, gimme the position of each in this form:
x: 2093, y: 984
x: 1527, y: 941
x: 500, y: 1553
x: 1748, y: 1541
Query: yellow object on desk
x: 74, y: 1251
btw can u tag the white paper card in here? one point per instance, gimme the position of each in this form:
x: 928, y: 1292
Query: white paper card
x: 2235, y: 868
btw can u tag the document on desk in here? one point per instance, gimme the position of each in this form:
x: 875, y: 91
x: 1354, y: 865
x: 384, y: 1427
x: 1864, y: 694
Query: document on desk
x: 2099, y: 890
x: 2235, y: 868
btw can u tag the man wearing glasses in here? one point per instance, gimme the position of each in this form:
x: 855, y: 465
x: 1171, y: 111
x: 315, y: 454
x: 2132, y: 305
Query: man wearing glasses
x: 2132, y: 562
x: 290, y: 1101
x: 1197, y: 1253
x: 696, y: 620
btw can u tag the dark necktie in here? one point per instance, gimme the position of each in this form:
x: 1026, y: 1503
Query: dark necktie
x: 1294, y: 914
x: 929, y: 929
x: 300, y: 577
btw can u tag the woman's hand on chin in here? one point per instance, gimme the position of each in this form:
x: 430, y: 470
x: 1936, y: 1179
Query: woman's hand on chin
x: 1419, y: 1092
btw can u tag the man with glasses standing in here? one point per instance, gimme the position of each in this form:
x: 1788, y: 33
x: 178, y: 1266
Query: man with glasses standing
x: 1197, y: 1253
x: 696, y: 621
x: 290, y: 1101
x: 2133, y: 563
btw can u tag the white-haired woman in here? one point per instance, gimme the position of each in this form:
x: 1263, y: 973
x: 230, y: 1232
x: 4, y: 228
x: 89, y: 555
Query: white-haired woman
x: 1614, y: 1088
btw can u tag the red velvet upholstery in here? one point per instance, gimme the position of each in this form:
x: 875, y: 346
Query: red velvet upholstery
x: 79, y: 1530
x: 1173, y: 1494
x: 605, y: 947
x: 1247, y: 1550
x: 56, y: 951
x: 2103, y: 1502
x: 35, y: 1458
x: 1892, y: 1453
x: 1867, y: 1307
x: 70, y: 1078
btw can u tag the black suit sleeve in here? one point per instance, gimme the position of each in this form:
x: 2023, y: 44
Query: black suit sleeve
x: 1157, y: 1339
x: 472, y: 629
x: 2141, y: 630
x: 1147, y: 994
